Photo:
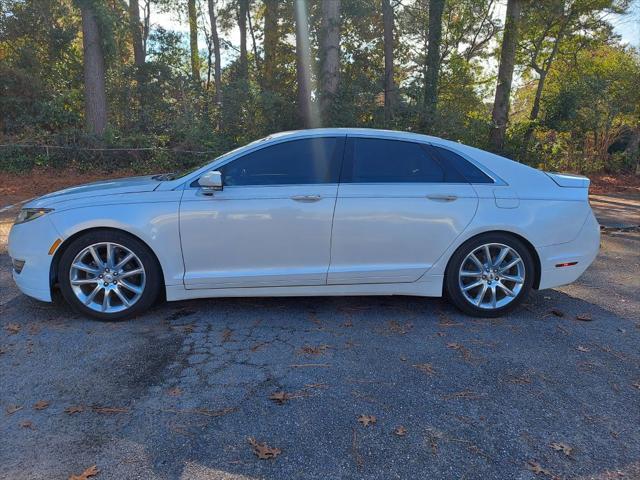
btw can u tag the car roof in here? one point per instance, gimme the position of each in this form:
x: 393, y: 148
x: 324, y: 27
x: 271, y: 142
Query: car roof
x: 369, y: 132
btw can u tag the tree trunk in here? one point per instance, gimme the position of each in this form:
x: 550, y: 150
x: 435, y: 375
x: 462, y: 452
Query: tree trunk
x: 270, y: 43
x: 436, y: 7
x: 533, y: 115
x: 95, y: 97
x: 500, y: 114
x: 193, y: 40
x: 242, y: 25
x: 390, y: 92
x: 330, y: 57
x: 256, y: 57
x: 136, y: 33
x: 215, y: 40
x: 303, y: 66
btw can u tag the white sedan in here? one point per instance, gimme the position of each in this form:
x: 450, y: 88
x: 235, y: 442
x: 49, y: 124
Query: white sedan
x: 313, y: 212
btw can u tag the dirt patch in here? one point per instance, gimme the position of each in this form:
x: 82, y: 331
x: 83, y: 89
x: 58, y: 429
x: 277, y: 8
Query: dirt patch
x: 16, y: 187
x: 603, y: 183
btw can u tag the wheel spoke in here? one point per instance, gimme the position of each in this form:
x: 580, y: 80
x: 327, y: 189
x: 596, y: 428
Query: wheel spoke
x: 512, y: 264
x: 130, y: 273
x: 111, y: 251
x: 96, y: 258
x: 84, y: 281
x: 92, y: 295
x: 480, y: 297
x: 466, y: 273
x: 494, y: 296
x: 475, y: 260
x: 123, y: 262
x: 473, y: 285
x: 85, y: 268
x: 506, y: 290
x: 501, y: 256
x: 512, y: 278
x: 123, y: 299
x: 487, y: 253
x: 105, y: 300
x: 132, y: 288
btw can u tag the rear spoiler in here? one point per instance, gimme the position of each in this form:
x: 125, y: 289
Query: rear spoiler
x: 569, y: 180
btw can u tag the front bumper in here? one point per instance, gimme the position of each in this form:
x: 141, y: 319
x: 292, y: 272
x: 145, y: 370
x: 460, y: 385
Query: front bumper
x: 30, y: 242
x: 582, y: 250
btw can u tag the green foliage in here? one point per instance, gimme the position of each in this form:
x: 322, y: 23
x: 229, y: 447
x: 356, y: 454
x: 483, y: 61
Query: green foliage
x: 589, y: 104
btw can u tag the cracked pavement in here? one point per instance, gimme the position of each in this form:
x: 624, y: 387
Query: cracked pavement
x: 176, y: 393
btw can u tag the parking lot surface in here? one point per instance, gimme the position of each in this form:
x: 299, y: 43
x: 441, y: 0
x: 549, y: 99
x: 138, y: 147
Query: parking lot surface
x: 370, y: 387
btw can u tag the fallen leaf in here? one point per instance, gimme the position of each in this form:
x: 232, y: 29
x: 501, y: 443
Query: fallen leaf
x: 462, y: 394
x: 280, y: 397
x: 109, y: 410
x: 580, y: 348
x: 454, y: 346
x: 562, y: 447
x: 12, y: 328
x: 41, y: 405
x: 11, y: 409
x: 74, y: 409
x: 367, y: 420
x: 399, y: 328
x: 537, y: 469
x: 26, y: 424
x: 309, y: 350
x: 425, y: 367
x: 175, y: 392
x: 557, y: 313
x: 89, y: 472
x: 584, y: 317
x: 227, y: 333
x: 262, y: 450
x: 636, y: 385
x: 400, y: 431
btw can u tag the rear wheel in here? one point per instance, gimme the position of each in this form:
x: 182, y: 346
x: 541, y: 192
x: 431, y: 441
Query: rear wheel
x: 109, y: 275
x: 489, y: 275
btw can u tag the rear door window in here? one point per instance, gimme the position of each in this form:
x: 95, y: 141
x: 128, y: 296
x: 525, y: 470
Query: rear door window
x: 377, y: 160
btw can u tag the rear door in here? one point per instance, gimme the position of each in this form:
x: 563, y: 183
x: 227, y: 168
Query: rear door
x: 398, y: 208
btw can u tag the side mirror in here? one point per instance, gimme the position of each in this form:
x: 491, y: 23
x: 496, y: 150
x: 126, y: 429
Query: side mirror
x: 211, y: 181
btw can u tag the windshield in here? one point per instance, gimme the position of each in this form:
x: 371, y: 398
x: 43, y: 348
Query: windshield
x: 184, y: 173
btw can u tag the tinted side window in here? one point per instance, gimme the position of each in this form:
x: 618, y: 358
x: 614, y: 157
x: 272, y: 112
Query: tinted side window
x: 374, y: 160
x: 471, y: 173
x: 310, y: 160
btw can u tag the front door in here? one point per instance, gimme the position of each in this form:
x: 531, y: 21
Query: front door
x: 271, y: 224
x: 397, y: 211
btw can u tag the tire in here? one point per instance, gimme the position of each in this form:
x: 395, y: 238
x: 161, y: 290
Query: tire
x: 133, y: 286
x: 464, y: 286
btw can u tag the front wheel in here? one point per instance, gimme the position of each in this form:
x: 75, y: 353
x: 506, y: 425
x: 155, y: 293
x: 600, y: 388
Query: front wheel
x: 109, y: 275
x: 489, y: 275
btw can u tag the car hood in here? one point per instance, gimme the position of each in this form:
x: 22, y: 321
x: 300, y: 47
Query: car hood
x: 96, y: 189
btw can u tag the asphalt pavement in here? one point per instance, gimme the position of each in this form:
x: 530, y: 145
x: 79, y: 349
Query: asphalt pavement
x: 329, y: 388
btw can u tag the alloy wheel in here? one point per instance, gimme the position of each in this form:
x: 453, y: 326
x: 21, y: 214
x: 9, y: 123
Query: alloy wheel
x: 107, y: 277
x: 491, y: 276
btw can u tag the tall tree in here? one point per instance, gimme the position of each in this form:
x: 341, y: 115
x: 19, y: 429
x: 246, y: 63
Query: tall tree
x: 243, y: 11
x: 303, y: 66
x: 329, y: 57
x: 95, y: 98
x: 136, y: 33
x: 271, y: 35
x: 500, y: 114
x: 436, y: 7
x: 193, y: 40
x: 390, y: 92
x: 215, y: 41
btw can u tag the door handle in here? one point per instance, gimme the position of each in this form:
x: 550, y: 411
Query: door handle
x: 306, y: 198
x: 442, y: 198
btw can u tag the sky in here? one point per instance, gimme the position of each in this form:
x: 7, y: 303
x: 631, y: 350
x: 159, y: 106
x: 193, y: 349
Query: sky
x: 627, y: 26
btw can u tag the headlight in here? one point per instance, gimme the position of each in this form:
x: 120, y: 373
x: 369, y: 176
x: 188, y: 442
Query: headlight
x: 28, y: 214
